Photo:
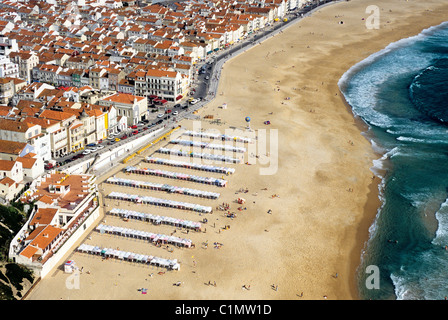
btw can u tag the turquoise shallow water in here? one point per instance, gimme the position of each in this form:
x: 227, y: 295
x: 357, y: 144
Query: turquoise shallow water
x: 401, y: 93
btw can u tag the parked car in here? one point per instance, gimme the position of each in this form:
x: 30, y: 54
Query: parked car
x: 117, y: 139
x: 135, y: 132
x: 168, y: 111
x: 90, y: 145
x: 48, y: 166
x: 160, y: 115
x: 133, y: 127
x: 176, y: 106
x: 99, y: 147
x: 87, y: 151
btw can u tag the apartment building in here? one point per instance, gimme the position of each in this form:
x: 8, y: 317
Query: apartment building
x: 134, y: 108
x: 19, y: 131
x: 56, y: 130
x: 8, y: 68
x: 47, y: 73
x: 66, y: 207
x: 26, y: 62
x: 168, y: 85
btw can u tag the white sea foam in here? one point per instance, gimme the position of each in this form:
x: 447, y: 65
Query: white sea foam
x: 410, y: 139
x: 346, y: 77
x: 360, y: 87
x: 380, y: 165
x: 363, y: 101
x: 376, y: 147
x: 428, y: 140
x: 355, y: 69
x: 391, y: 132
x: 402, y: 290
x: 441, y: 237
x: 373, y: 226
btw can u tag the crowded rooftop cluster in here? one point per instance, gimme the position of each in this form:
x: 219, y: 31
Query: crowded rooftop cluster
x: 73, y: 73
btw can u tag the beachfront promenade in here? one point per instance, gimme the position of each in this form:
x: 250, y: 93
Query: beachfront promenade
x: 211, y: 86
x: 253, y: 40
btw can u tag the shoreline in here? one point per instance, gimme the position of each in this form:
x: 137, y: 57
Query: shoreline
x: 373, y: 203
x: 324, y: 239
x: 371, y: 208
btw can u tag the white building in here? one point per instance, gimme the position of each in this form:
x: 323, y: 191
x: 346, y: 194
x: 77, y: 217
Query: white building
x: 32, y: 166
x: 32, y: 134
x: 168, y: 85
x: 7, y: 46
x: 66, y: 208
x: 8, y: 68
x: 134, y: 108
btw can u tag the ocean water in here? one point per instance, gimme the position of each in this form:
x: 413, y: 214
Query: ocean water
x: 401, y: 93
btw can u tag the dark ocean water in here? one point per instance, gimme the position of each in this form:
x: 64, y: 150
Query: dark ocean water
x: 401, y: 92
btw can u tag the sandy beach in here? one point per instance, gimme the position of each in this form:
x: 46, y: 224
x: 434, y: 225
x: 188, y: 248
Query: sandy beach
x: 326, y: 194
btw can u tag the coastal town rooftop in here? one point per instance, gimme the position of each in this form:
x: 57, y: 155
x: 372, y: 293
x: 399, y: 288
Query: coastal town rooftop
x: 65, y: 191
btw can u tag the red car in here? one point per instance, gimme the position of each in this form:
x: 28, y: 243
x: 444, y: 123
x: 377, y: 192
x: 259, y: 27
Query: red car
x: 134, y: 127
x: 135, y: 132
x: 48, y: 166
x: 168, y: 111
x: 124, y: 137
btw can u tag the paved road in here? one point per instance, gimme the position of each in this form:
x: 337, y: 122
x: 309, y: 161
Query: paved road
x: 217, y: 61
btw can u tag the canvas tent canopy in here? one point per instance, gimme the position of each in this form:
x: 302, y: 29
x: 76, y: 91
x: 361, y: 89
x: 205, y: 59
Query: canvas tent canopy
x: 163, y: 187
x: 189, y: 165
x: 160, y: 202
x: 171, y: 264
x: 215, y: 136
x: 208, y: 145
x: 215, y: 157
x: 124, y: 213
x: 177, y: 175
